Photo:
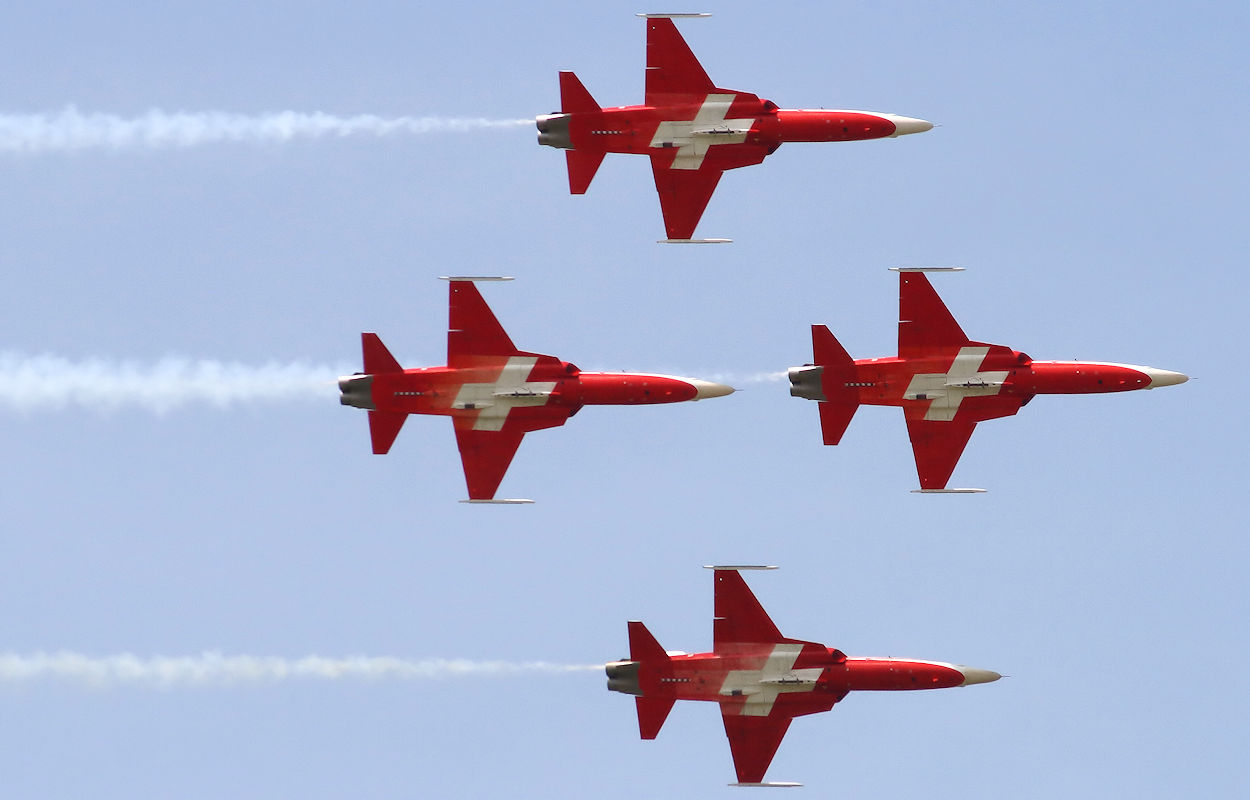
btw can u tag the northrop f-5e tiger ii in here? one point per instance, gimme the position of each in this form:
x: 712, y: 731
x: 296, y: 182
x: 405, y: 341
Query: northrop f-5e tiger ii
x: 761, y: 679
x: 692, y: 129
x: 945, y: 382
x: 493, y: 392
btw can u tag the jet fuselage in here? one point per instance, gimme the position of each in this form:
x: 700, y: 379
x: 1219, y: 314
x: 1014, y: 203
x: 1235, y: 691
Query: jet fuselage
x: 945, y: 382
x: 494, y: 392
x: 761, y: 670
x: 692, y: 129
x: 447, y: 390
x: 895, y: 381
x: 758, y: 124
x: 760, y: 679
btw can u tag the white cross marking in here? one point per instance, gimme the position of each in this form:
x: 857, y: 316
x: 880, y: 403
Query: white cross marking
x: 693, y: 138
x: 947, y: 390
x: 778, y: 675
x: 509, y: 390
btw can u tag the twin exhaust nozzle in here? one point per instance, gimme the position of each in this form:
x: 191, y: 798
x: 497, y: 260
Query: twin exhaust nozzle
x: 623, y: 677
x: 805, y: 382
x: 553, y: 131
x: 357, y: 391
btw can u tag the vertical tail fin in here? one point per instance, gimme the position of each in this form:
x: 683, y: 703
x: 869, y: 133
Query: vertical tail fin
x: 654, y: 664
x: 841, y: 400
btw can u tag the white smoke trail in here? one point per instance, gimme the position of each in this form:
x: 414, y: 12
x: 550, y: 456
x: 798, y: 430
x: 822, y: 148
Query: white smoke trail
x: 212, y: 669
x: 29, y: 383
x: 72, y: 130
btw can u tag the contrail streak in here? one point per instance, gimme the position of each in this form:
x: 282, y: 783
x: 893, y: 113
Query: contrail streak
x: 46, y: 382
x: 29, y: 383
x: 71, y: 130
x: 212, y: 669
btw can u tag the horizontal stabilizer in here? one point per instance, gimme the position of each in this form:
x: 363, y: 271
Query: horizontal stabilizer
x: 653, y: 664
x: 835, y: 418
x: 652, y: 711
x: 583, y: 164
x: 827, y: 351
x: 377, y: 358
x: 573, y: 96
x: 693, y: 241
x: 643, y: 647
x: 383, y: 428
x: 499, y: 501
x: 839, y: 399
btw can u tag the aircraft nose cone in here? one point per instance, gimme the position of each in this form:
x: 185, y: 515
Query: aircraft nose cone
x: 704, y: 389
x: 1163, y: 377
x: 973, y: 675
x: 906, y: 125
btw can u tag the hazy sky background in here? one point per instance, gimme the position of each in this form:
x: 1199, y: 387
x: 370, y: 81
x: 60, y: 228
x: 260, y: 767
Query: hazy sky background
x: 1089, y: 171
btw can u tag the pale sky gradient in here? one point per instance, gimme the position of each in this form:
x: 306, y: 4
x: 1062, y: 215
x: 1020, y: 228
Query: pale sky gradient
x: 1089, y: 171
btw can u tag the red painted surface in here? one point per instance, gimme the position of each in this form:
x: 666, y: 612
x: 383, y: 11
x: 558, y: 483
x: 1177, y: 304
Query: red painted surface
x: 892, y: 675
x: 930, y: 340
x: 478, y: 350
x: 432, y: 390
x: 676, y: 89
x: 609, y: 388
x: 830, y: 126
x: 1069, y: 377
x: 744, y: 638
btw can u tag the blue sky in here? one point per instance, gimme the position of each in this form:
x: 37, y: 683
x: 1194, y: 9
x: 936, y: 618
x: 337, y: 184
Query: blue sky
x: 1088, y: 171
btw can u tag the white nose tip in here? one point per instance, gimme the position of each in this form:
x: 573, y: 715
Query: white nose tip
x: 906, y: 125
x: 1163, y: 377
x: 973, y: 675
x: 704, y: 389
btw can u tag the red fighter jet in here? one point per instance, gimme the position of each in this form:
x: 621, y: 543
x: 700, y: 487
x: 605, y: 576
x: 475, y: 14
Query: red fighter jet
x: 945, y: 382
x: 692, y: 129
x: 494, y: 393
x: 761, y: 679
